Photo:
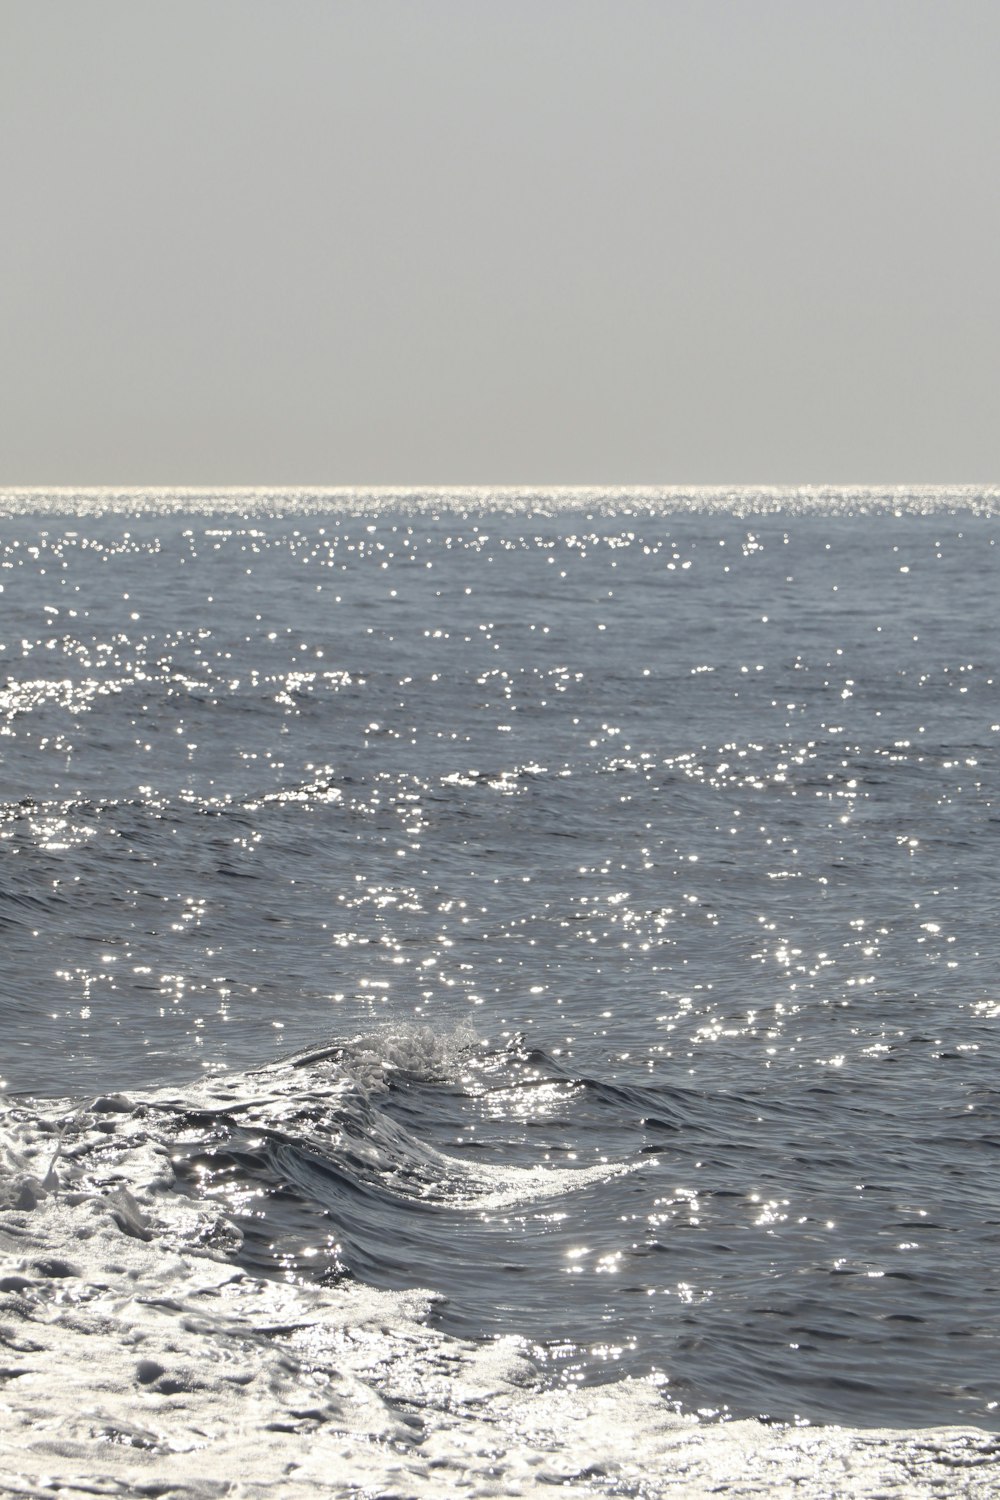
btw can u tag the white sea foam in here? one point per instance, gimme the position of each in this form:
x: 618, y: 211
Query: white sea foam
x: 138, y: 1359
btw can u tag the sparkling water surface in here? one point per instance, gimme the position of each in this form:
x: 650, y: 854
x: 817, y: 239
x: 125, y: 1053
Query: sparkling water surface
x: 646, y: 845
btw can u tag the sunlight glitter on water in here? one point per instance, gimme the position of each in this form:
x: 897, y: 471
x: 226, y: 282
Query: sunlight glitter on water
x: 694, y: 804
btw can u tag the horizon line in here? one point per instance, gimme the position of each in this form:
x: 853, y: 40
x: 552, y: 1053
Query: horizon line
x: 504, y: 487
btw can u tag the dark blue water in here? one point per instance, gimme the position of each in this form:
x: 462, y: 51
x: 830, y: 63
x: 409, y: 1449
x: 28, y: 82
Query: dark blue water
x: 650, y: 845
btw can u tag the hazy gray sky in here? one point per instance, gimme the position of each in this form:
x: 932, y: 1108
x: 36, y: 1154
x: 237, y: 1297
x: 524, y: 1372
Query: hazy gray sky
x: 499, y: 241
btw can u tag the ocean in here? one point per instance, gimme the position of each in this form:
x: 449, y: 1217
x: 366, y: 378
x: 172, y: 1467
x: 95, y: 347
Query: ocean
x: 499, y: 990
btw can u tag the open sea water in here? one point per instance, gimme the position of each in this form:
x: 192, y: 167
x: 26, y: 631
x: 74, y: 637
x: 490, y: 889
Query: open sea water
x: 579, y: 905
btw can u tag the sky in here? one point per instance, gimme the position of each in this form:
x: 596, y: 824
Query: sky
x: 394, y: 242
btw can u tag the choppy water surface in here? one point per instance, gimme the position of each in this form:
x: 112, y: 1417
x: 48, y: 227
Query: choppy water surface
x: 621, y: 869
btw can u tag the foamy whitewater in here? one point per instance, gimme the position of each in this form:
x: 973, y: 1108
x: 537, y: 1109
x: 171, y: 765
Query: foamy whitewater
x: 499, y: 990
